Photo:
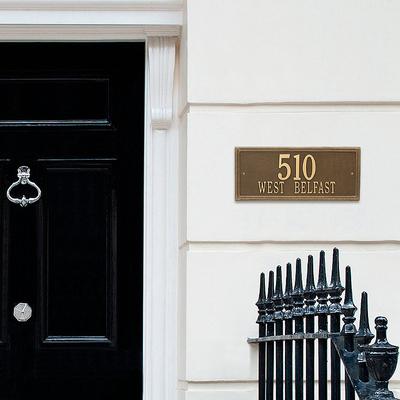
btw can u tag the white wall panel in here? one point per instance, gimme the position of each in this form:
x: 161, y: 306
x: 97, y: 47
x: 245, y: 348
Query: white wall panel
x: 214, y: 215
x: 232, y: 394
x: 222, y: 287
x: 244, y: 51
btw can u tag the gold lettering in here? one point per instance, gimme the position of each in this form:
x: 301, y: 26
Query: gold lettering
x: 269, y: 187
x: 281, y: 184
x: 303, y: 187
x: 333, y: 183
x: 261, y: 186
x: 296, y: 187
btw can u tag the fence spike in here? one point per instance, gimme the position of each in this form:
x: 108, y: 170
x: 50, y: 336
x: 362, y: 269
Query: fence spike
x: 349, y: 329
x: 309, y: 291
x: 287, y: 297
x: 363, y: 337
x: 335, y: 277
x: 322, y: 286
x: 364, y: 334
x: 298, y: 292
x: 278, y: 317
x: 278, y: 295
x: 335, y: 291
x: 322, y: 311
x: 270, y: 332
x: 298, y: 314
x: 335, y: 288
x: 348, y: 307
x: 261, y: 302
x: 269, y: 301
x: 309, y: 312
x: 322, y: 283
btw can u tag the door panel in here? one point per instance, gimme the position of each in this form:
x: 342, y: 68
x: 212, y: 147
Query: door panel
x: 70, y: 100
x: 75, y: 117
x: 79, y: 238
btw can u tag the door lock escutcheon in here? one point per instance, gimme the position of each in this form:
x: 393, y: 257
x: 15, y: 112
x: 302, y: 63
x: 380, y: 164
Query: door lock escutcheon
x: 22, y: 312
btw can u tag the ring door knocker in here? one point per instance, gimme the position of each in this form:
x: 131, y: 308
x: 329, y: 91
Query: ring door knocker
x: 23, y: 175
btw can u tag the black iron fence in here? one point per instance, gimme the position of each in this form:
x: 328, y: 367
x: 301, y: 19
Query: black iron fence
x: 305, y: 319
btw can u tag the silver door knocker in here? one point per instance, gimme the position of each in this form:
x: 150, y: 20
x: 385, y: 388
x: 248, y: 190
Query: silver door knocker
x: 23, y: 175
x: 22, y: 312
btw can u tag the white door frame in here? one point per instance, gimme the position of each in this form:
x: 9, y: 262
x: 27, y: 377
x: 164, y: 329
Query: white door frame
x: 159, y: 25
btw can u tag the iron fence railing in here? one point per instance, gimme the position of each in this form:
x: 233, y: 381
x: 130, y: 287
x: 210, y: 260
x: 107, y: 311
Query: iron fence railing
x: 287, y: 321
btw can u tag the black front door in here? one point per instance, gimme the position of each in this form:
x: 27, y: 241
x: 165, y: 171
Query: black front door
x: 72, y: 113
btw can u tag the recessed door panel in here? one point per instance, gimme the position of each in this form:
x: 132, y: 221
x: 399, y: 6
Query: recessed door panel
x: 79, y: 263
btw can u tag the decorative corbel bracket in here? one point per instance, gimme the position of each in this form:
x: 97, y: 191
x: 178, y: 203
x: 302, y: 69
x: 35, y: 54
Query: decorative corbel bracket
x: 161, y: 57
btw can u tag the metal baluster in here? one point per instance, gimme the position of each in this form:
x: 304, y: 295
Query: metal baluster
x: 278, y: 316
x: 335, y: 291
x: 349, y: 329
x: 261, y: 304
x: 298, y: 313
x: 322, y: 312
x: 309, y: 312
x: 288, y: 331
x: 363, y: 337
x: 270, y: 332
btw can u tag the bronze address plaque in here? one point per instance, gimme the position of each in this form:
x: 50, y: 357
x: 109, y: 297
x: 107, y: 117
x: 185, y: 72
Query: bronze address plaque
x: 297, y: 173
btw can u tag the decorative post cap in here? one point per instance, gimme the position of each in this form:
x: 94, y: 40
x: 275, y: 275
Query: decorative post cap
x: 261, y: 302
x: 309, y: 291
x: 364, y: 334
x: 287, y: 297
x: 278, y: 296
x: 298, y: 292
x: 381, y: 360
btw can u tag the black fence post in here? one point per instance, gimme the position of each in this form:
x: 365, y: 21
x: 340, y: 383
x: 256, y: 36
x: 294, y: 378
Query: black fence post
x: 270, y: 332
x: 349, y: 329
x: 261, y: 305
x: 298, y: 314
x: 363, y: 337
x: 322, y: 312
x: 381, y: 360
x: 278, y: 317
x: 368, y: 368
x: 335, y: 291
x: 288, y: 331
x: 309, y: 312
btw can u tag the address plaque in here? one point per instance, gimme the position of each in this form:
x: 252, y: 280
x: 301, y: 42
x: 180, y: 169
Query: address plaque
x: 270, y: 173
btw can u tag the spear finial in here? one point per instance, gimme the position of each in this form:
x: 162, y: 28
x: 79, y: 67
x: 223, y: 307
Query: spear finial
x: 261, y: 302
x: 309, y: 291
x: 364, y: 334
x: 287, y: 297
x: 348, y: 307
x: 270, y: 295
x: 298, y: 292
x: 335, y: 288
x: 278, y: 296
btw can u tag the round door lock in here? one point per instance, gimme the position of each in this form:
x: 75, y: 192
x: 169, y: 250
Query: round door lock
x: 22, y: 312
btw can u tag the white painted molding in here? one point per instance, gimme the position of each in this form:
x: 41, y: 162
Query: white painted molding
x: 161, y: 249
x: 79, y: 32
x: 161, y: 58
x: 99, y: 5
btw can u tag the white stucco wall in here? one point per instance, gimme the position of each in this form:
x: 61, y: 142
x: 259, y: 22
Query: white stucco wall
x: 287, y: 73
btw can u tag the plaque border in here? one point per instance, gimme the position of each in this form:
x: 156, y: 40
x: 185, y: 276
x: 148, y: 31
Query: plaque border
x: 355, y: 197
